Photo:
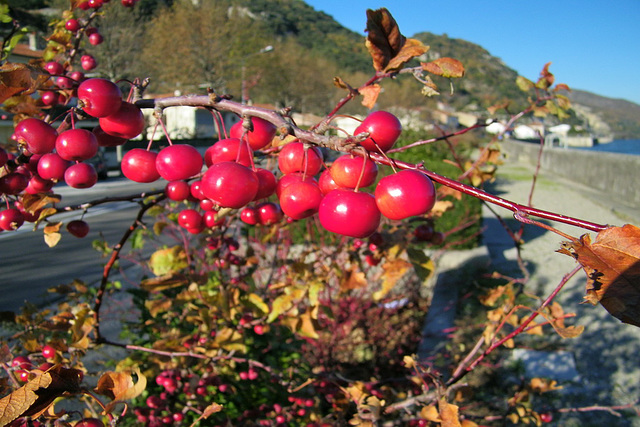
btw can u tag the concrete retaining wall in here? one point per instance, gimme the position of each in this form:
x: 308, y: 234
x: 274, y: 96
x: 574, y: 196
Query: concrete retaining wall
x: 616, y: 174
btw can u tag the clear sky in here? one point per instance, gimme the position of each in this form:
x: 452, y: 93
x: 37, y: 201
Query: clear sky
x: 593, y: 45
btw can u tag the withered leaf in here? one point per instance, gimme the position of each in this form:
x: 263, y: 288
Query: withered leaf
x: 612, y: 265
x: 353, y: 279
x: 388, y: 48
x: 370, y: 95
x: 119, y: 386
x: 445, y: 67
x: 19, y: 79
x: 33, y: 398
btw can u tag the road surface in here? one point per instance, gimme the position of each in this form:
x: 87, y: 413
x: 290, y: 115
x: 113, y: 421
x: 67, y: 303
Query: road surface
x: 28, y: 267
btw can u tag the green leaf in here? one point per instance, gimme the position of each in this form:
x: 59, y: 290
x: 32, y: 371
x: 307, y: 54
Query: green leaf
x: 421, y: 263
x: 168, y: 260
x: 5, y: 18
x: 524, y: 84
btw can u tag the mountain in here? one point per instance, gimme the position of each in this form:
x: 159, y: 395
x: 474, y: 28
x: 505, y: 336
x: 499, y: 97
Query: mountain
x: 622, y: 117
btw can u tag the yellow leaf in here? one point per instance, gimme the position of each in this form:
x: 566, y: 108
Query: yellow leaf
x: 257, y: 302
x: 52, y: 239
x: 280, y: 305
x: 430, y: 413
x: 392, y: 272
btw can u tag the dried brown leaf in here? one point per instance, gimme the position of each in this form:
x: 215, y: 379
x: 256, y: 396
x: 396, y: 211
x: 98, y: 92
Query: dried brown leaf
x: 445, y: 67
x: 119, y: 386
x: 411, y: 49
x: 384, y: 39
x: 37, y: 395
x: 612, y: 265
x: 353, y: 279
x: 19, y: 79
x: 388, y: 48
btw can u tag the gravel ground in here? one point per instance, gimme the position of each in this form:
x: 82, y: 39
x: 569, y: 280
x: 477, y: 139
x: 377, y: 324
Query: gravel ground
x: 607, y: 367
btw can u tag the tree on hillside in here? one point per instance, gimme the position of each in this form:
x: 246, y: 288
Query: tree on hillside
x: 188, y: 46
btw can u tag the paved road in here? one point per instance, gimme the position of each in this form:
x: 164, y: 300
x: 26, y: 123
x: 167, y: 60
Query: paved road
x: 28, y: 267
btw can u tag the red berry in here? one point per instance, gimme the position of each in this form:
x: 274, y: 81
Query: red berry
x: 96, y: 39
x: 546, y: 417
x: 11, y: 219
x: 226, y: 150
x: 37, y: 135
x: 52, y: 166
x: 294, y: 158
x: 404, y: 194
x: 128, y: 122
x: 384, y: 129
x: 48, y: 352
x: 72, y: 25
x: 81, y: 175
x: 353, y: 171
x: 258, y: 138
x: 178, y: 190
x: 88, y: 62
x: 90, y: 422
x: 349, y: 213
x: 99, y: 97
x: 178, y: 161
x: 139, y: 165
x: 326, y: 182
x: 269, y: 213
x: 78, y: 228
x: 300, y: 199
x: 76, y: 145
x: 190, y: 218
x: 266, y: 183
x: 13, y: 183
x: 54, y: 68
x: 230, y: 184
x: 249, y: 215
x: 291, y: 178
x: 106, y: 140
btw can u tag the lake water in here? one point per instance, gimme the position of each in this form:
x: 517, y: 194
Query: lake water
x: 623, y: 146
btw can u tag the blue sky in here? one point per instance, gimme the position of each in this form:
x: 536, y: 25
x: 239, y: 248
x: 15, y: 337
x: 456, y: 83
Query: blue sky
x: 592, y: 45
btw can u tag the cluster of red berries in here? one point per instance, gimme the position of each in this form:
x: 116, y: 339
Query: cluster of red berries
x: 62, y: 157
x: 232, y: 180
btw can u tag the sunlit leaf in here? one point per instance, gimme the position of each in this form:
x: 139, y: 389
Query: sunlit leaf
x: 445, y: 67
x: 392, y: 272
x: 370, y: 95
x: 168, y: 260
x: 19, y: 79
x: 612, y: 265
x: 524, y: 84
x: 448, y: 414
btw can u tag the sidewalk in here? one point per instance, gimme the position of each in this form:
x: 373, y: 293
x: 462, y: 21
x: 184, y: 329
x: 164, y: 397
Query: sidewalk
x: 607, y: 368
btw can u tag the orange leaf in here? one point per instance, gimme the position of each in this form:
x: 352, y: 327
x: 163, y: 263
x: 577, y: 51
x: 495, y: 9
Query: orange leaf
x: 448, y: 414
x: 445, y: 67
x: 119, y: 386
x: 353, y: 279
x: 612, y: 265
x: 388, y: 48
x: 410, y: 50
x: 370, y: 95
x: 19, y: 78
